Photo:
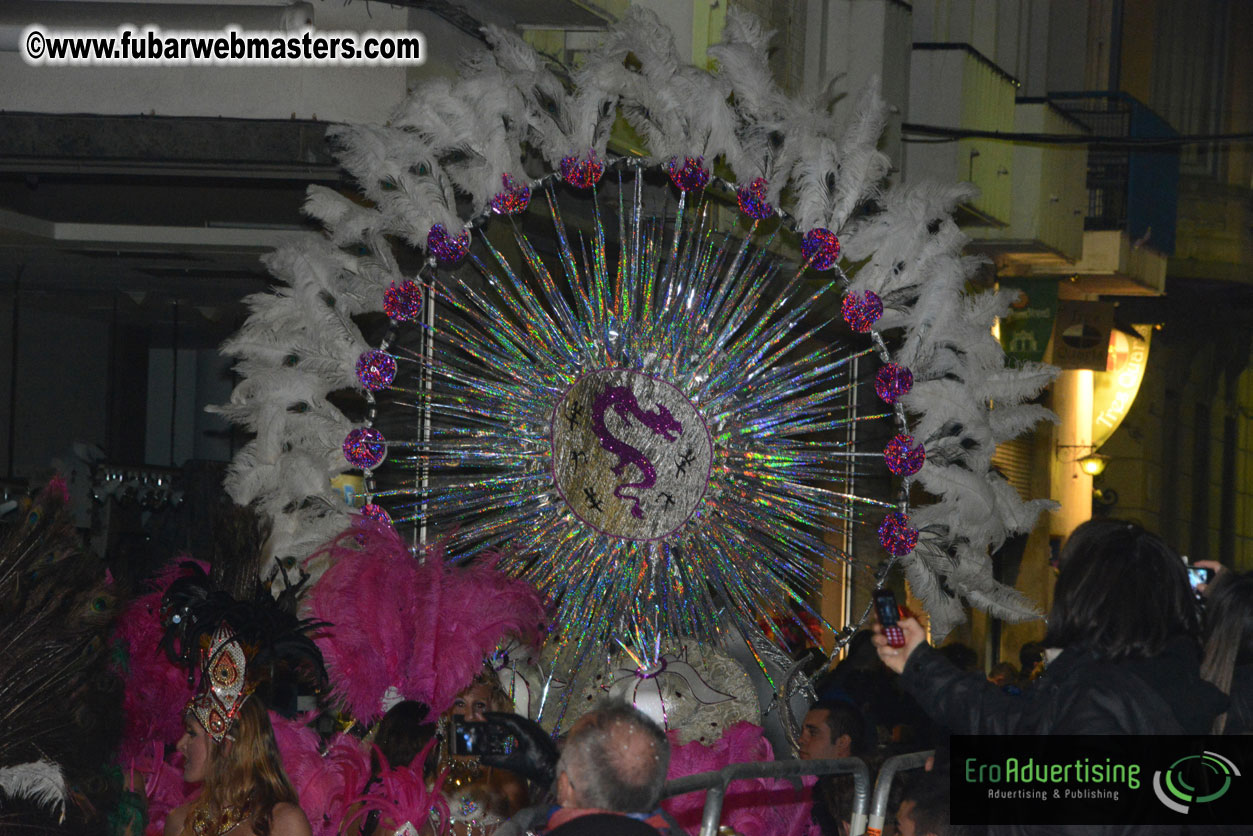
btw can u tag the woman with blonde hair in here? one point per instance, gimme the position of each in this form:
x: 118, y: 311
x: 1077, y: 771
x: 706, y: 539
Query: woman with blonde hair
x: 228, y: 748
x: 244, y: 790
x: 228, y: 742
x: 480, y: 797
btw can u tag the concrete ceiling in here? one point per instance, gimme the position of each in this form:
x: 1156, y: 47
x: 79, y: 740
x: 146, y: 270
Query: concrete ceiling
x: 151, y: 211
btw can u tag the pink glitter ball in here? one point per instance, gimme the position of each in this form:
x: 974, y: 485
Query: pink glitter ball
x: 862, y: 310
x: 376, y: 369
x: 690, y: 174
x: 893, y: 382
x: 903, y: 457
x: 403, y: 302
x: 365, y: 448
x: 896, y: 535
x: 514, y: 198
x: 582, y: 173
x: 376, y: 512
x: 447, y: 249
x: 820, y: 248
x: 752, y: 199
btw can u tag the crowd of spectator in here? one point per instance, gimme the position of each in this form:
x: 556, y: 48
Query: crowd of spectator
x: 1131, y: 648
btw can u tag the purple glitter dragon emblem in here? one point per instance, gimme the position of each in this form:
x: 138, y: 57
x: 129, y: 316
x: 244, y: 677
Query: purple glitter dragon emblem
x: 631, y: 454
x: 622, y: 401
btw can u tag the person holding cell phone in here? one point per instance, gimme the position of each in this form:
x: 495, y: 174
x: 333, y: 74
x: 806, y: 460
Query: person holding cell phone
x: 480, y: 797
x: 1228, y: 661
x: 1126, y: 624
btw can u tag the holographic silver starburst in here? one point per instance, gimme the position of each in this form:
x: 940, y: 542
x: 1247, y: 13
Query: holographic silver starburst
x: 655, y: 426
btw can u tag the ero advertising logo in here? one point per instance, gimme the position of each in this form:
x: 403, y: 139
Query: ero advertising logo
x: 1138, y: 780
x: 1179, y: 786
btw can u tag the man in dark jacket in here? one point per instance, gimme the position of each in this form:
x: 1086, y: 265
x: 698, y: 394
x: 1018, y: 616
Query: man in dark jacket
x: 1126, y: 622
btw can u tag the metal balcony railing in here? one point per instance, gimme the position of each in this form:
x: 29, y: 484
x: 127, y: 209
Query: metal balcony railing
x: 1131, y: 188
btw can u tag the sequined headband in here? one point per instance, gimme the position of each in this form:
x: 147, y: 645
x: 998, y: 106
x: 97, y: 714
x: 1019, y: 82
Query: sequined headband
x: 222, y: 686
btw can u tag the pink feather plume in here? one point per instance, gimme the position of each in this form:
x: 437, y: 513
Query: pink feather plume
x: 757, y: 807
x: 156, y: 689
x: 422, y: 627
x: 401, y: 795
x: 325, y: 782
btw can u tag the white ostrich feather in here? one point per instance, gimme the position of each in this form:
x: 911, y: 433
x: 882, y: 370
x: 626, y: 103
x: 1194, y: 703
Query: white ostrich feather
x: 346, y: 221
x: 40, y: 782
x: 1009, y: 422
x: 863, y: 166
x: 815, y: 178
x: 924, y: 568
x: 759, y: 106
x: 545, y: 99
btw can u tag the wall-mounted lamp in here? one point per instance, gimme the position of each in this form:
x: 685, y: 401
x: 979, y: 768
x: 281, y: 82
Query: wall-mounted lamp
x: 1090, y: 462
x: 1093, y: 464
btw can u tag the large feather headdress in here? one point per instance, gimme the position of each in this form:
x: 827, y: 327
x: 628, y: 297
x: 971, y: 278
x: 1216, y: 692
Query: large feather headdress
x: 235, y: 646
x: 664, y: 347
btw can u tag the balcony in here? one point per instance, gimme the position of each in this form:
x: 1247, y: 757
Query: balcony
x: 1131, y: 191
x: 1050, y: 198
x: 1132, y: 198
x: 952, y: 85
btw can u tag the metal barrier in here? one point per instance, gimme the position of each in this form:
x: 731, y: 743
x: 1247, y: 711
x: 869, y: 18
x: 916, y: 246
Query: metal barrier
x: 883, y: 786
x: 715, y: 784
x: 868, y: 815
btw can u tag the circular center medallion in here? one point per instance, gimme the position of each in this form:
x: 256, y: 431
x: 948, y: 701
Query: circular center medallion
x: 631, y: 454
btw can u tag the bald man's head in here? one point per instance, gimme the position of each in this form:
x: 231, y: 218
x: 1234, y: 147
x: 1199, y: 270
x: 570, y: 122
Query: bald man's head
x: 615, y: 758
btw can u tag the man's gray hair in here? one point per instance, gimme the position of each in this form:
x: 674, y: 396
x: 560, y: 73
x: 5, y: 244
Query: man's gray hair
x: 616, y: 759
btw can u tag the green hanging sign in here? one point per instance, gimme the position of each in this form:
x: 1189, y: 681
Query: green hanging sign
x: 1025, y: 331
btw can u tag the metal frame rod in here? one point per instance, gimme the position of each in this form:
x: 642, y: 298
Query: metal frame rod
x: 716, y: 784
x: 883, y: 785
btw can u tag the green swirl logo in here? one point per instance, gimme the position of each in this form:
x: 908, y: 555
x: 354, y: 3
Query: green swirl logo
x: 1186, y: 783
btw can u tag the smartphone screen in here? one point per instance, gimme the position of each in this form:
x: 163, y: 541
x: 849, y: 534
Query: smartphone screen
x: 1198, y: 575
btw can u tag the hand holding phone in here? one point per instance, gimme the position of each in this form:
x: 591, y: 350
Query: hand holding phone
x: 889, y: 617
x: 535, y: 755
x: 479, y: 739
x: 1198, y: 575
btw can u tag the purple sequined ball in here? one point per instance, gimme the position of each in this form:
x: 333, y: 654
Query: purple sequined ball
x: 752, y: 199
x: 365, y: 448
x: 376, y: 369
x: 862, y: 310
x: 820, y: 248
x: 896, y: 535
x: 403, y: 302
x: 903, y: 457
x: 447, y: 249
x: 690, y: 174
x: 513, y: 198
x: 376, y: 513
x: 893, y: 382
x: 582, y: 173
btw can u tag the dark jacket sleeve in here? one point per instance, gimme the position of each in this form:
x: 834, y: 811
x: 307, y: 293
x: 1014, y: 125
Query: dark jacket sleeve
x: 964, y: 702
x: 1076, y: 695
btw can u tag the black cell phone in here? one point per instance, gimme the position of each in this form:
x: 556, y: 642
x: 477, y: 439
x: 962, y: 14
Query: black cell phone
x: 889, y: 616
x: 478, y: 739
x: 1198, y: 575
